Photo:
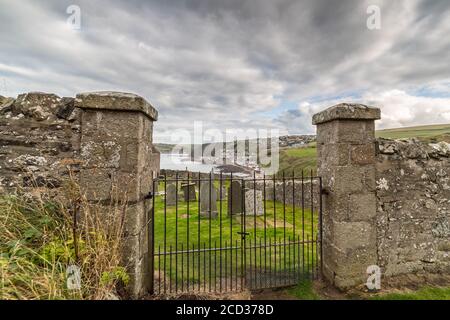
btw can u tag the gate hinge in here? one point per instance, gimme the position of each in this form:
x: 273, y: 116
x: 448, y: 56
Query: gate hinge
x: 149, y: 195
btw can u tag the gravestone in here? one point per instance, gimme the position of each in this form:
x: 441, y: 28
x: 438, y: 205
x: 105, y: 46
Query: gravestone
x: 235, y: 198
x: 189, y: 192
x: 171, y: 193
x: 208, y: 199
x: 222, y: 196
x: 254, y: 202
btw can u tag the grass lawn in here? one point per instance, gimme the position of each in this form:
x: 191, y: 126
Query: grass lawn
x: 425, y: 293
x: 304, y: 291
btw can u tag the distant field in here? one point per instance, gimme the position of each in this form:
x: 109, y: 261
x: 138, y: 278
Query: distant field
x: 298, y: 159
x: 305, y: 158
x: 429, y: 133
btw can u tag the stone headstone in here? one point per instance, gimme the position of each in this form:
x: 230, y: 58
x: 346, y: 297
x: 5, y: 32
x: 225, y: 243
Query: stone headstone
x: 235, y: 198
x: 208, y: 199
x: 222, y: 196
x: 189, y: 192
x: 171, y: 193
x: 254, y: 202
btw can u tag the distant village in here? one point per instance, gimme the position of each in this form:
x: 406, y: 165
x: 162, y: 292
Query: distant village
x: 235, y: 160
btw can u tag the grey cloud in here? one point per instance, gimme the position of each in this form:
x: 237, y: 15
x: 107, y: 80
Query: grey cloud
x: 225, y: 62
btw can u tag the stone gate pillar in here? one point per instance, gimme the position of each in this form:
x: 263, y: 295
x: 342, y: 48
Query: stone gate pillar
x: 346, y: 163
x: 119, y: 162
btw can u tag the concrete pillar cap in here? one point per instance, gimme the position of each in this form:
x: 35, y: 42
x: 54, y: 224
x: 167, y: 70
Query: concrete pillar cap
x: 347, y: 111
x: 120, y: 101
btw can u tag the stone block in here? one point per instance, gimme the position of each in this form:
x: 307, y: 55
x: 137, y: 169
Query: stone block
x: 336, y: 154
x: 100, y: 154
x: 135, y: 219
x: 363, y: 154
x: 354, y: 132
x: 96, y: 183
x: 362, y: 206
x: 350, y: 265
x: 336, y: 204
x: 104, y: 124
x: 130, y: 151
x: 348, y: 179
x: 347, y: 111
x: 326, y: 134
x: 354, y: 235
x: 109, y: 100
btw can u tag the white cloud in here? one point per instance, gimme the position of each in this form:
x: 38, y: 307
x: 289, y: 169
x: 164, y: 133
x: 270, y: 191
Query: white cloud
x: 398, y: 109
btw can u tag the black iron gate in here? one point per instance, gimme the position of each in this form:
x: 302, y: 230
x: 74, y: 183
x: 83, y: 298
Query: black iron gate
x: 222, y: 233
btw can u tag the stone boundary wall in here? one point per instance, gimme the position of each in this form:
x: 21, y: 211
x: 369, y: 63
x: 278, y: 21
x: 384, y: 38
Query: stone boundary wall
x: 386, y: 202
x: 293, y: 193
x: 104, y: 139
x: 413, y: 207
x: 39, y: 142
x: 281, y: 193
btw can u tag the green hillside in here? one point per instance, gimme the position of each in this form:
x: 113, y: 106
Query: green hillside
x: 298, y: 159
x: 305, y: 158
x: 439, y: 132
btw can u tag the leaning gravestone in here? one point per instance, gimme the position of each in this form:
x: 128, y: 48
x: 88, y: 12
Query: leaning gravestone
x: 253, y: 202
x: 189, y: 192
x: 171, y: 193
x: 208, y: 199
x: 235, y: 198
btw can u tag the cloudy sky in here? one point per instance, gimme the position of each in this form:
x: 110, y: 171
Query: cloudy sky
x: 236, y: 63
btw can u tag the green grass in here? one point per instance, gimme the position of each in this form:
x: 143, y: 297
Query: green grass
x: 304, y: 291
x: 37, y: 246
x: 166, y: 224
x: 425, y: 293
x: 176, y: 230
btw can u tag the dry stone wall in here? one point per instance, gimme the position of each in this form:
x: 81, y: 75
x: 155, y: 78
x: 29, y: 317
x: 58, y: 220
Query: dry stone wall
x: 39, y: 142
x: 386, y: 202
x: 103, y: 141
x: 413, y: 207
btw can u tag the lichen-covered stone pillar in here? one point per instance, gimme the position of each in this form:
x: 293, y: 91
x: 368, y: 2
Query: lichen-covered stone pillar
x: 118, y: 162
x: 346, y: 163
